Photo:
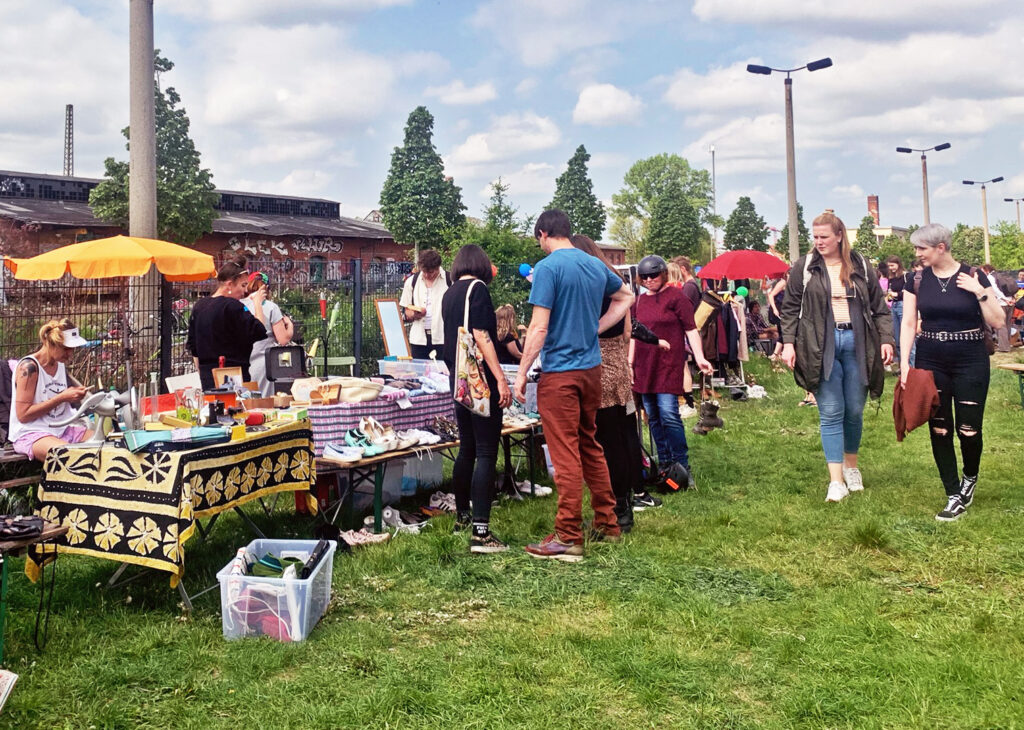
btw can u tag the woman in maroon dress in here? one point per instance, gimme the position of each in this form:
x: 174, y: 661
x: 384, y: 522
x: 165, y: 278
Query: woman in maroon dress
x: 658, y: 373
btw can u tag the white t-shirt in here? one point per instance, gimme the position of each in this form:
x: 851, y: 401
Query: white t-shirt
x: 47, y: 386
x: 428, y: 296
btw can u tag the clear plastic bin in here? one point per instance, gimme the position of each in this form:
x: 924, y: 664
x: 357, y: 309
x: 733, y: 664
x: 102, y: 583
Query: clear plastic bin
x: 410, y: 368
x: 283, y: 609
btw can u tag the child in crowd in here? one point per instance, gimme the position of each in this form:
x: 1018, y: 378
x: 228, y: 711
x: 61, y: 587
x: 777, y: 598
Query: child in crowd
x: 508, y: 336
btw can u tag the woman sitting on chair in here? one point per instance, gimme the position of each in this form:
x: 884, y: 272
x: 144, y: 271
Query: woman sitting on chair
x: 44, y: 393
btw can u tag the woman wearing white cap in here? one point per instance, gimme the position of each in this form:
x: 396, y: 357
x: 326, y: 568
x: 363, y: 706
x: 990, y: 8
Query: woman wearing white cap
x: 42, y: 395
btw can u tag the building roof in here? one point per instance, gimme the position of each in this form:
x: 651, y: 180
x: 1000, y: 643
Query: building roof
x: 610, y: 246
x: 79, y: 215
x: 56, y: 178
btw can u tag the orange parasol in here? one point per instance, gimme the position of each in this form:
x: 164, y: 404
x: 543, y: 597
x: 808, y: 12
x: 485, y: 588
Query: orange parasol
x: 106, y: 258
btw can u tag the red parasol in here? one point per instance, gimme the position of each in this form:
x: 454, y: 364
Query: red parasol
x: 743, y: 265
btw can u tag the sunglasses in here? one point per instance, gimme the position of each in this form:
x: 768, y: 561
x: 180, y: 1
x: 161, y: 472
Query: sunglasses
x: 647, y: 277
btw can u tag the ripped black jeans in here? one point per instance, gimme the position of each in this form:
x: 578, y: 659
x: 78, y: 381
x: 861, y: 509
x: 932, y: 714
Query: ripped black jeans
x: 961, y: 371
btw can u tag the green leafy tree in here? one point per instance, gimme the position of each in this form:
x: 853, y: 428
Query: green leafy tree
x: 185, y: 196
x: 675, y: 228
x: 629, y: 232
x: 499, y: 213
x: 647, y: 179
x: 969, y: 244
x: 803, y: 236
x: 1007, y: 247
x: 745, y: 228
x: 866, y: 242
x: 418, y: 203
x: 895, y: 246
x: 574, y: 194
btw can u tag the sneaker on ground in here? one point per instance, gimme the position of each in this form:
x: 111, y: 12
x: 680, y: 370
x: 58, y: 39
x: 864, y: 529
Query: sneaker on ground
x: 463, y: 522
x: 443, y: 500
x: 597, y: 535
x: 953, y: 511
x: 645, y: 500
x: 551, y: 548
x: 837, y: 492
x: 967, y: 485
x: 687, y: 411
x: 539, y: 490
x: 486, y: 544
x: 355, y: 538
x: 852, y: 477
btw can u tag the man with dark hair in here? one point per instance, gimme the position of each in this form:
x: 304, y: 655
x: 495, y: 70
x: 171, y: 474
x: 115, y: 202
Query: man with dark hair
x: 569, y: 287
x: 421, y: 305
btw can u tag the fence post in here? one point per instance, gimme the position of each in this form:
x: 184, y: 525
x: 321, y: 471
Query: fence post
x: 357, y: 315
x: 166, y: 328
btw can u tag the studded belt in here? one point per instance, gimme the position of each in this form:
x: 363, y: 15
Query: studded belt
x: 963, y: 336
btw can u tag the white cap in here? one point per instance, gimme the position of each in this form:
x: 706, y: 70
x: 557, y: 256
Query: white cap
x: 73, y: 339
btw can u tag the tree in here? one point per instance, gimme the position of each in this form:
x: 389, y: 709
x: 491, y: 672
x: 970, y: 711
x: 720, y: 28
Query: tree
x: 185, y: 196
x: 969, y: 244
x: 745, y: 228
x: 418, y: 203
x: 866, y: 242
x: 803, y: 236
x: 629, y: 232
x: 675, y: 228
x: 1007, y: 247
x: 574, y: 194
x: 647, y: 179
x: 499, y: 213
x: 895, y: 246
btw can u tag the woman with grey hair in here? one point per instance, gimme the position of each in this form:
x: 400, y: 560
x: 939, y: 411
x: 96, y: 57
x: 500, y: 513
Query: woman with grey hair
x: 955, y: 302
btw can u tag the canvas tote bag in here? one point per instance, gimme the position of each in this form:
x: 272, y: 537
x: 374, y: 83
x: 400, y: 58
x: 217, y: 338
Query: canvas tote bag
x: 471, y: 389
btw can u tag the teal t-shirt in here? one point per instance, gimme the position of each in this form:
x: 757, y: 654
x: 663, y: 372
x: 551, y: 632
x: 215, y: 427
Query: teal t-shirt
x: 572, y: 284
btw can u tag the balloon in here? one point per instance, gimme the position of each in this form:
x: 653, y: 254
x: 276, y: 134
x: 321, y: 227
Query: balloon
x: 494, y: 271
x: 697, y: 268
x: 525, y: 269
x: 742, y: 291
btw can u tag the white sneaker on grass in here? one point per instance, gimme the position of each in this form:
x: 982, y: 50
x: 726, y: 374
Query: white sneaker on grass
x: 837, y: 492
x: 854, y: 480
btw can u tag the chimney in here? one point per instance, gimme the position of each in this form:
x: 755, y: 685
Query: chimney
x: 873, y: 208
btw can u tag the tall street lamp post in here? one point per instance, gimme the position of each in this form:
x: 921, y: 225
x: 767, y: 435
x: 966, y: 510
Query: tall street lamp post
x: 924, y: 172
x: 714, y: 205
x: 1017, y: 201
x: 794, y: 225
x: 984, y: 212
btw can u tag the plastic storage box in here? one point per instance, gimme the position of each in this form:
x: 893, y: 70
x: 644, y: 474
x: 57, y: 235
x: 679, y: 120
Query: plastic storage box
x: 410, y: 368
x: 284, y: 609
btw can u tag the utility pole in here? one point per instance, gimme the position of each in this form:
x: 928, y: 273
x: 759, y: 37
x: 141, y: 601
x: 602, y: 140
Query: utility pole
x: 141, y: 122
x: 714, y: 206
x: 69, y: 140
x: 984, y: 211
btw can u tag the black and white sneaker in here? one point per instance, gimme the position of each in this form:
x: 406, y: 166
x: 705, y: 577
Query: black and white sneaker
x: 967, y: 485
x: 953, y: 511
x: 644, y: 500
x: 485, y: 544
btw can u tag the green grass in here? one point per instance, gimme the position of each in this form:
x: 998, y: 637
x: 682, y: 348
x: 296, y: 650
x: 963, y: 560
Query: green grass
x: 748, y: 604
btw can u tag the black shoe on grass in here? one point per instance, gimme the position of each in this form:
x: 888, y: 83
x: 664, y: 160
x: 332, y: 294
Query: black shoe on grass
x: 645, y: 500
x: 483, y: 544
x: 967, y: 485
x: 953, y: 511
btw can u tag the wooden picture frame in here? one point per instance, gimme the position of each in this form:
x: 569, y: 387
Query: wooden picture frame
x: 392, y: 328
x: 228, y: 376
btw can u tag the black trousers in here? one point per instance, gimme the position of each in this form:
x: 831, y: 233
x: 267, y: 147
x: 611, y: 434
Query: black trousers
x: 617, y: 434
x: 473, y: 472
x: 422, y: 352
x: 961, y: 371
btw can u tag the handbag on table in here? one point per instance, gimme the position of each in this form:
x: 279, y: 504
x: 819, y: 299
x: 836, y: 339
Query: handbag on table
x: 471, y: 389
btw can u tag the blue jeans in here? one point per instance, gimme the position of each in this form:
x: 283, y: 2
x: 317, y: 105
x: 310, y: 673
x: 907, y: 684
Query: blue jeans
x: 897, y: 318
x: 841, y: 402
x: 666, y: 427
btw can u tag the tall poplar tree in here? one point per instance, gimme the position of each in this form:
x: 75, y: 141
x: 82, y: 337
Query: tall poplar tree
x: 574, y: 194
x: 745, y: 228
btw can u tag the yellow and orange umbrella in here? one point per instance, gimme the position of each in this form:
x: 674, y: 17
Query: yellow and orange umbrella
x: 106, y: 258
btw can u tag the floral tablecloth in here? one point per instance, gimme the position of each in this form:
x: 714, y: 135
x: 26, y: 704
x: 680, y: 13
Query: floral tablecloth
x: 141, y: 508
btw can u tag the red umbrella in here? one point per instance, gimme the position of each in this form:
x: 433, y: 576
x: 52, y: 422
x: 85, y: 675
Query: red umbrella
x: 743, y: 265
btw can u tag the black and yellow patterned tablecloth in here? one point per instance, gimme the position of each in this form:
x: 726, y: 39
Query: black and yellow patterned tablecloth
x: 141, y: 508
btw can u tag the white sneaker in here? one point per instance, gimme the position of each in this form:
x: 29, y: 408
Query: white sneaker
x: 837, y: 492
x: 539, y: 490
x: 687, y: 411
x: 854, y: 480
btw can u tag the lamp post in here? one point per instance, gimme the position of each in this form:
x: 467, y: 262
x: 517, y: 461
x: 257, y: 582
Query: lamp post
x: 794, y: 225
x: 1017, y: 201
x: 924, y: 172
x: 714, y: 206
x: 984, y: 212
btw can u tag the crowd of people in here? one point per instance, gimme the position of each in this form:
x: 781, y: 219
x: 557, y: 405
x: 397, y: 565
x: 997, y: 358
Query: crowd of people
x: 606, y: 350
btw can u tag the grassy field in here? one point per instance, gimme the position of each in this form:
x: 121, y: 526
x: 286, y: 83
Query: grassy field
x: 750, y: 603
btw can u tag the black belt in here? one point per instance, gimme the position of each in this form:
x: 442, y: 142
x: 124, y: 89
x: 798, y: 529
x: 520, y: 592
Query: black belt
x: 962, y: 336
x: 844, y: 325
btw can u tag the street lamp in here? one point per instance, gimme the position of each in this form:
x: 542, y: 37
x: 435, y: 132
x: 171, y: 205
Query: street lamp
x: 794, y: 225
x: 1018, y: 202
x: 924, y: 172
x: 714, y: 205
x: 984, y: 211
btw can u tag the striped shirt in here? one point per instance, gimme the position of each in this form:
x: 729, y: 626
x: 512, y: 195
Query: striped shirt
x: 840, y: 305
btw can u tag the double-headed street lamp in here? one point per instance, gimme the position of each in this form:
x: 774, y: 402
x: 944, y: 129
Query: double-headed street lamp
x: 794, y: 224
x: 924, y: 172
x: 984, y: 211
x: 1018, y: 202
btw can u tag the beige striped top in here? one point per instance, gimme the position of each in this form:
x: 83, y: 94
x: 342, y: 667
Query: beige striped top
x: 840, y: 305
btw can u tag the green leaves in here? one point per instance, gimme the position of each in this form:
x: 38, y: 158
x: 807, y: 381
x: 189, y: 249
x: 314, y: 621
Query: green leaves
x: 745, y: 228
x: 574, y: 194
x: 675, y: 228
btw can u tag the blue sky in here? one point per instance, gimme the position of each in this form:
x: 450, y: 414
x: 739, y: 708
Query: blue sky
x: 308, y: 97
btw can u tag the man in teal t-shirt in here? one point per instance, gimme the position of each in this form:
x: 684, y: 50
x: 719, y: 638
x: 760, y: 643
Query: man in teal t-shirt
x: 569, y: 287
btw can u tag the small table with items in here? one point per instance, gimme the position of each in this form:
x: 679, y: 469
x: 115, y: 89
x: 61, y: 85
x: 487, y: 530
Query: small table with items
x: 141, y: 508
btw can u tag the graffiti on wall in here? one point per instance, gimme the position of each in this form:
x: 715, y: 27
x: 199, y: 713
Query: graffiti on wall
x: 325, y: 244
x: 266, y: 248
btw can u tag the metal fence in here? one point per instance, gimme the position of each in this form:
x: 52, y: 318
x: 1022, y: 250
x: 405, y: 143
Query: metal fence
x: 142, y: 324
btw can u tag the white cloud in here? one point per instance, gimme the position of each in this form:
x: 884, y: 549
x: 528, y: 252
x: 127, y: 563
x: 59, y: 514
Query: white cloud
x: 848, y: 191
x: 605, y: 160
x: 457, y: 92
x: 509, y: 136
x: 533, y: 178
x: 606, y: 105
x: 296, y: 11
x: 526, y: 86
x: 949, y: 190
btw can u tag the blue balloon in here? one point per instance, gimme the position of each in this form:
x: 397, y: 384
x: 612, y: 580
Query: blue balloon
x: 697, y: 268
x: 525, y: 269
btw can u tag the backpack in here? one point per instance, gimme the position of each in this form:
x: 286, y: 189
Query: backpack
x: 990, y: 335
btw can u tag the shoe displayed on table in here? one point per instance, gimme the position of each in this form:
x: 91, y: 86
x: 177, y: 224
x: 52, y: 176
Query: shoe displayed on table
x: 486, y: 544
x: 341, y: 452
x: 383, y: 437
x: 837, y: 492
x: 854, y: 480
x: 645, y: 500
x: 407, y: 439
x: 551, y: 548
x: 967, y: 485
x: 953, y: 511
x: 357, y: 439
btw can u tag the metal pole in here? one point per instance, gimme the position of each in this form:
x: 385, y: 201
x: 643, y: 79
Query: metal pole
x: 357, y: 314
x: 714, y: 206
x: 142, y: 150
x: 924, y: 185
x: 1018, y: 214
x: 984, y: 218
x: 794, y: 222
